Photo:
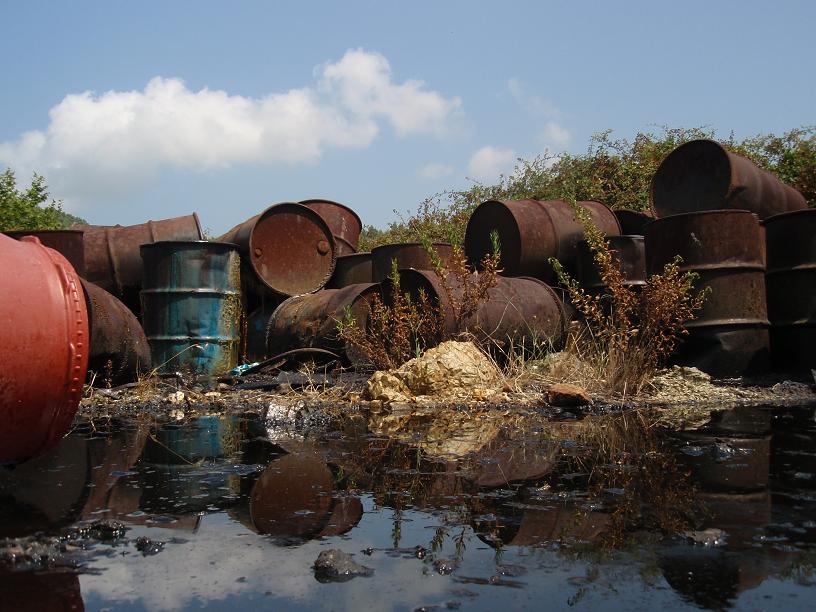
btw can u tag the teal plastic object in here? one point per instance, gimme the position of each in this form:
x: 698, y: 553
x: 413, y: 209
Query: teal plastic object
x: 191, y: 305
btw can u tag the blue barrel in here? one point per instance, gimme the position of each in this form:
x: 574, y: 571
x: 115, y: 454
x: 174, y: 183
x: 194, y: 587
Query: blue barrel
x: 191, y: 305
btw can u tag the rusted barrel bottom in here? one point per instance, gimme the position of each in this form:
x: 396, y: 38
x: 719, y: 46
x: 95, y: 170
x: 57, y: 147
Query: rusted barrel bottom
x: 726, y: 351
x: 212, y: 355
x: 255, y: 342
x: 727, y: 463
x: 793, y: 347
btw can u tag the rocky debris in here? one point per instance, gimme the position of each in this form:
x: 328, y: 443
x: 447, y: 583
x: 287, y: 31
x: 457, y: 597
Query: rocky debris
x: 711, y: 537
x: 334, y: 565
x: 565, y: 395
x: 445, y: 566
x: 450, y: 371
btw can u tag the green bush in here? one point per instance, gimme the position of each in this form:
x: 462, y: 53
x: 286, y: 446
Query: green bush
x: 27, y: 210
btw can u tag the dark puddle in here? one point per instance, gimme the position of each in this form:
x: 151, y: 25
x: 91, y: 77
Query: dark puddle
x: 228, y: 512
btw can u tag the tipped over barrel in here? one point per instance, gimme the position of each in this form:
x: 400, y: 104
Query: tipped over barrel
x: 288, y: 248
x: 530, y: 232
x: 43, y: 347
x: 68, y: 243
x: 343, y: 222
x: 407, y: 255
x: 702, y: 175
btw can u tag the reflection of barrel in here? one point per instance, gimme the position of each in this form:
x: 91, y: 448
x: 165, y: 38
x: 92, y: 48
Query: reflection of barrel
x: 633, y: 222
x: 702, y: 175
x: 532, y: 231
x: 119, y: 350
x: 43, y: 347
x: 522, y: 311
x: 289, y: 249
x: 727, y: 463
x: 537, y: 527
x: 68, y: 243
x: 311, y: 320
x: 628, y: 251
x: 407, y: 255
x: 112, y: 257
x: 191, y: 304
x: 729, y: 336
x: 791, y: 283
x: 351, y: 270
x: 343, y: 222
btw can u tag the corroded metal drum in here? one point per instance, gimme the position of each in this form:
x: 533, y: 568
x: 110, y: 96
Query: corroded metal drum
x: 288, y: 249
x: 68, y: 243
x: 729, y: 336
x: 344, y: 223
x: 310, y: 321
x: 530, y: 232
x: 702, y: 175
x: 191, y: 305
x: 791, y: 284
x: 523, y: 312
x: 112, y: 258
x: 119, y: 351
x: 43, y: 347
x: 351, y: 270
x: 628, y: 251
x: 407, y: 255
x: 633, y: 222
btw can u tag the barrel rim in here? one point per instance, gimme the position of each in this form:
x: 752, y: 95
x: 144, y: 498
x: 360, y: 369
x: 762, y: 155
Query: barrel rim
x: 700, y: 213
x: 785, y: 215
x: 15, y: 233
x: 231, y: 245
x: 360, y: 255
x: 341, y: 205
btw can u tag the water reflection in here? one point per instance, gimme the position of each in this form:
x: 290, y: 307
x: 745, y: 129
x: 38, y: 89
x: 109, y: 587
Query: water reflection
x: 745, y: 515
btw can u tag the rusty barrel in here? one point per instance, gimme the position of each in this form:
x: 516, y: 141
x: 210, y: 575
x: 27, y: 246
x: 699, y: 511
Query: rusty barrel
x: 522, y: 312
x: 68, y: 243
x: 791, y: 282
x: 112, y: 258
x: 407, y: 255
x: 703, y: 175
x: 633, y: 222
x: 119, y: 351
x: 288, y: 249
x: 344, y: 223
x: 628, y: 251
x: 351, y: 270
x: 43, y: 347
x: 191, y: 305
x: 532, y: 231
x: 311, y: 320
x: 729, y: 336
x: 255, y: 336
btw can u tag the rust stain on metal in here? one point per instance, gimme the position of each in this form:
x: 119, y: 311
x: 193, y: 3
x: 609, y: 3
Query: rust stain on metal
x: 791, y: 285
x: 702, y: 175
x: 726, y: 249
x: 407, y: 255
x: 288, y: 248
x: 344, y: 223
x: 43, y: 347
x: 532, y: 231
x: 351, y: 270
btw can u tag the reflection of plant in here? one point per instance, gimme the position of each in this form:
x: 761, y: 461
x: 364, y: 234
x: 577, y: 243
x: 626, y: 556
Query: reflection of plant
x: 628, y: 334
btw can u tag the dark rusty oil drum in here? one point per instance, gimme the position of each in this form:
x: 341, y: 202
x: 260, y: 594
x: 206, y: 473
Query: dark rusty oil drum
x: 703, y: 175
x: 530, y: 232
x: 288, y: 249
x: 633, y: 222
x: 43, y: 347
x: 628, y: 251
x: 192, y: 307
x: 343, y: 222
x: 791, y: 283
x: 407, y: 255
x: 729, y: 336
x: 68, y: 243
x: 351, y: 270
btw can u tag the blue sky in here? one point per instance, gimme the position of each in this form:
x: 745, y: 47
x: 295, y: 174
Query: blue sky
x: 137, y: 110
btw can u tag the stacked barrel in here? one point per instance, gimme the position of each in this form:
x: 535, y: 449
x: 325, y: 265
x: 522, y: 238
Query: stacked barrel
x: 709, y: 203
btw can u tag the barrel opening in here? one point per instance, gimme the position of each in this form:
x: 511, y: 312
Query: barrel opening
x: 695, y: 176
x: 489, y: 217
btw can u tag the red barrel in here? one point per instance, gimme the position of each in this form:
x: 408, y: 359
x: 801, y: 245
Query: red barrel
x: 407, y: 255
x: 68, y: 243
x: 532, y: 231
x: 344, y: 223
x: 112, y: 257
x: 43, y: 347
x: 288, y: 248
x: 702, y: 175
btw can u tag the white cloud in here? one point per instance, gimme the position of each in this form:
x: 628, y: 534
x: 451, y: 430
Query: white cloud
x: 435, y: 171
x: 555, y: 136
x: 102, y: 145
x: 535, y: 105
x: 487, y: 163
